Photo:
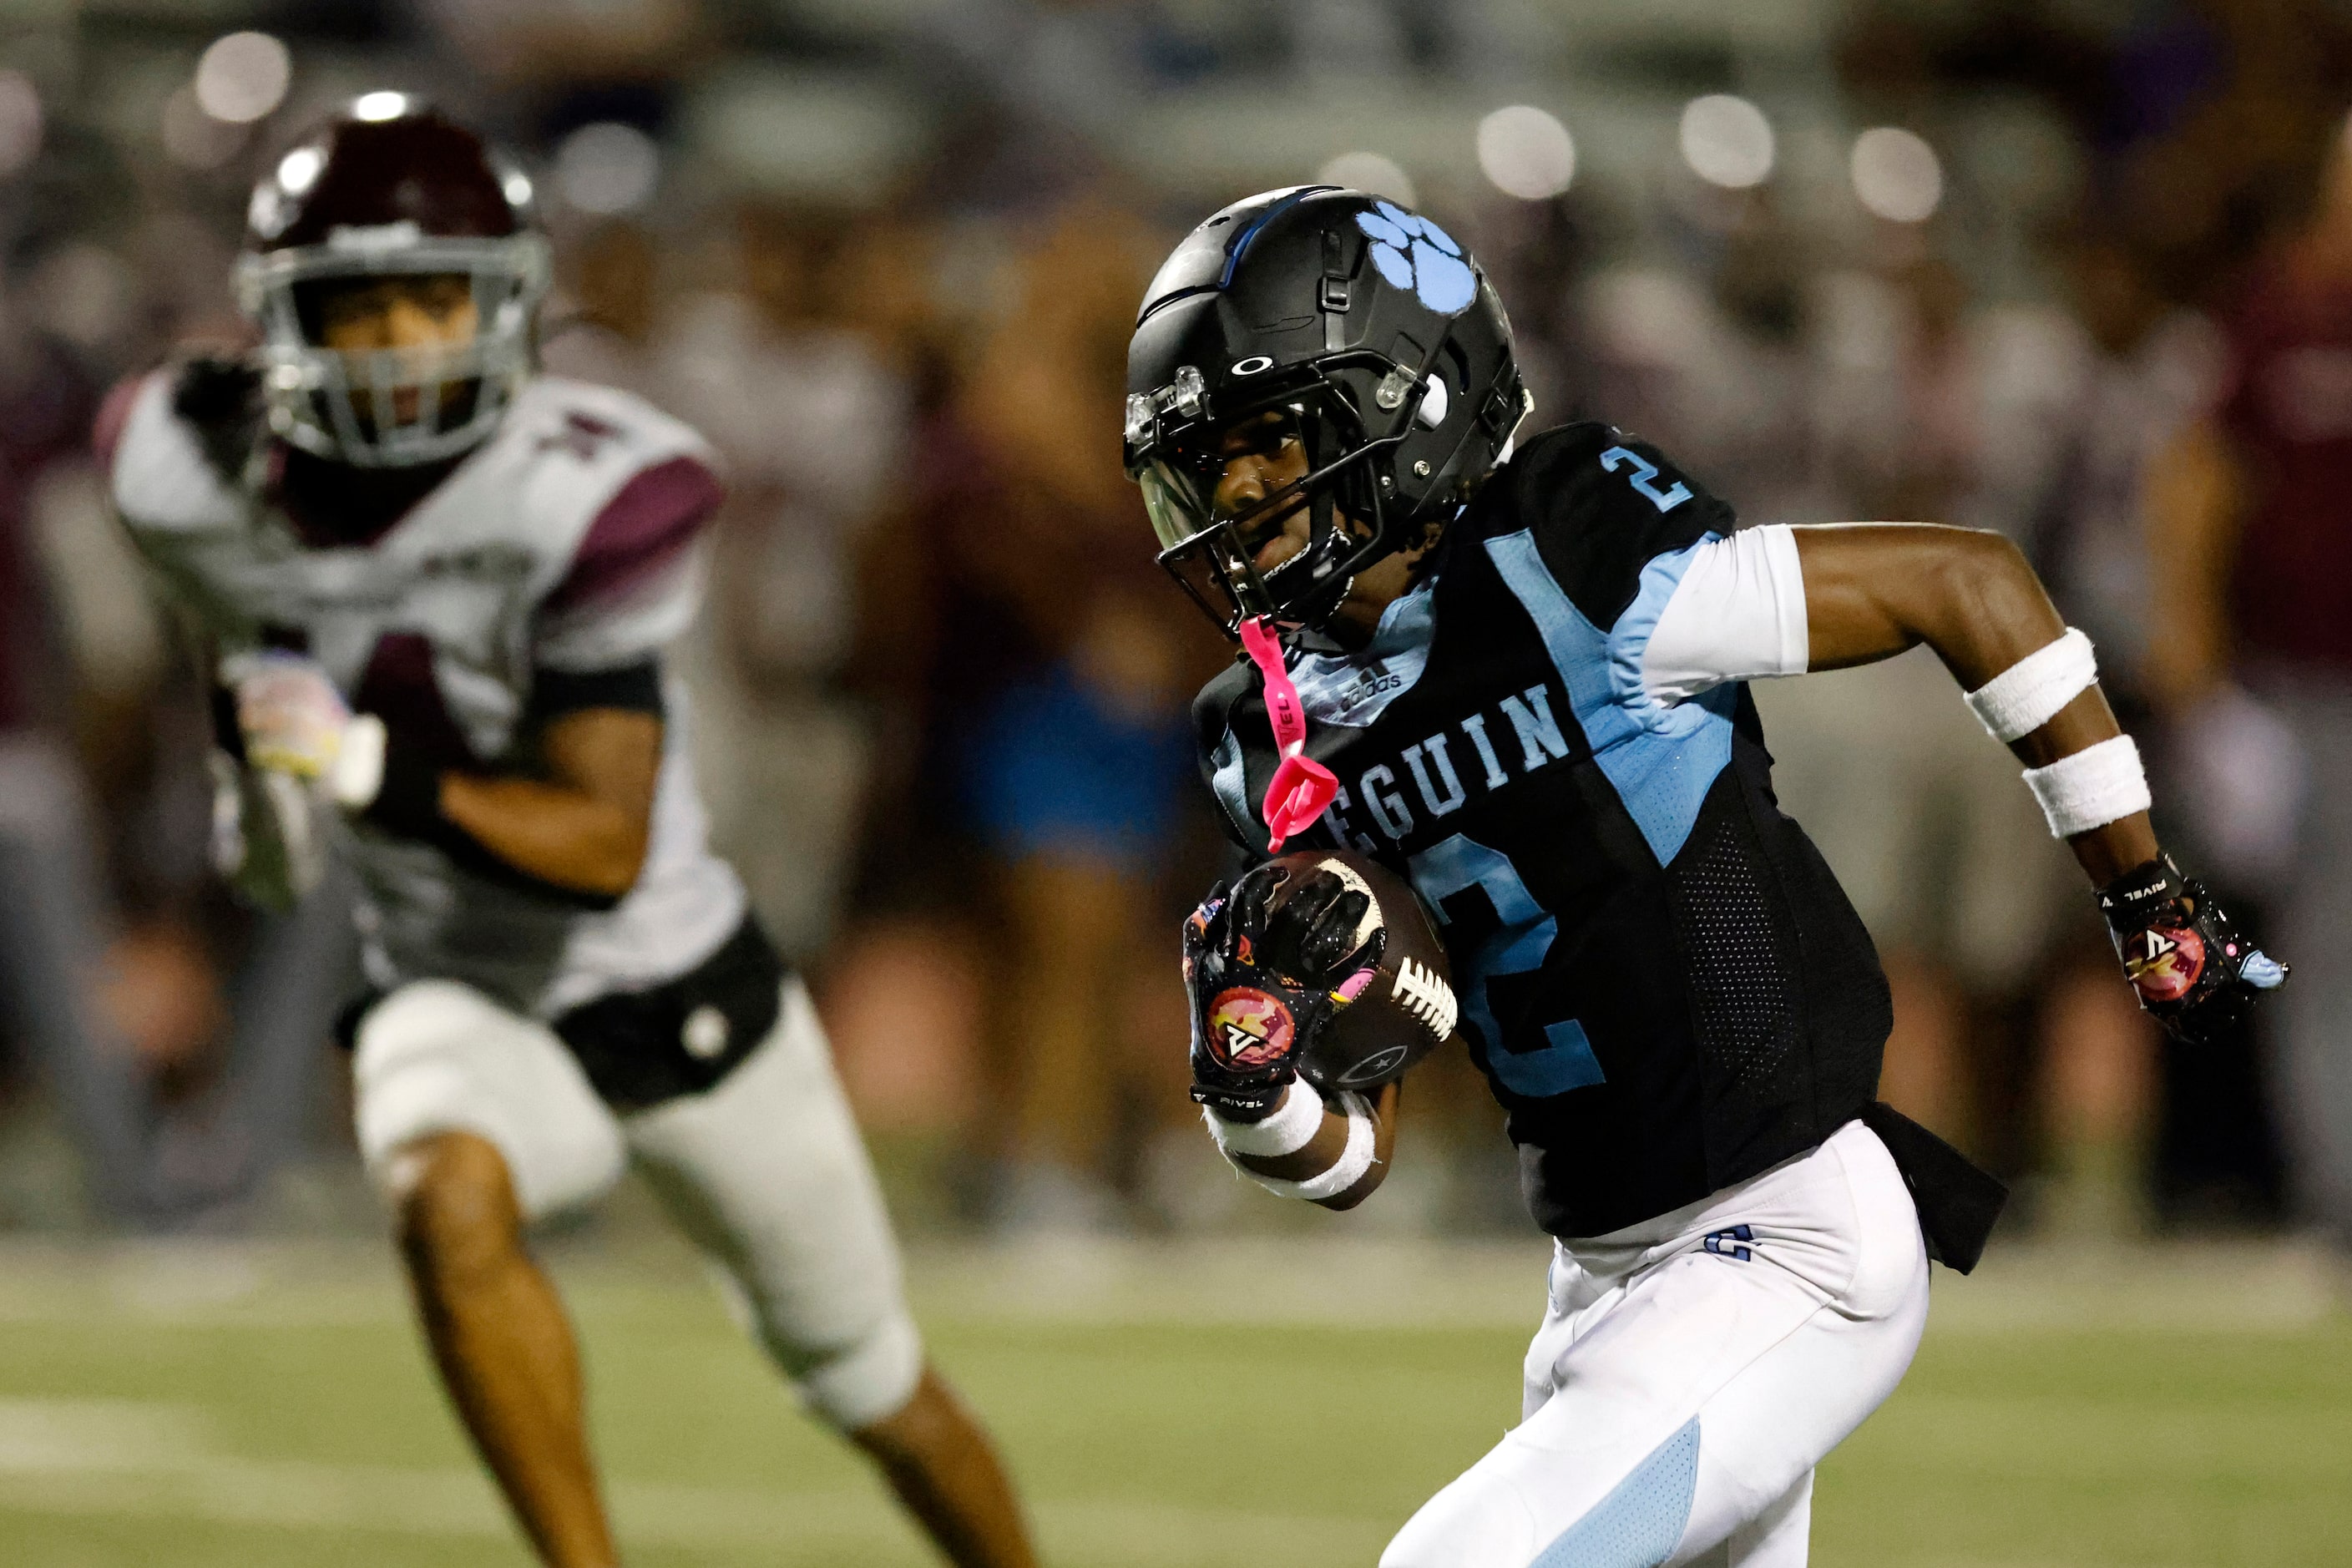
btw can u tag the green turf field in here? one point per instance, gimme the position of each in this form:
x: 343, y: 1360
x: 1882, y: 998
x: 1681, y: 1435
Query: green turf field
x: 227, y: 1406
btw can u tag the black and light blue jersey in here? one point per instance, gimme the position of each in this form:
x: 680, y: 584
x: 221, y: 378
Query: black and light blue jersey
x: 1659, y: 975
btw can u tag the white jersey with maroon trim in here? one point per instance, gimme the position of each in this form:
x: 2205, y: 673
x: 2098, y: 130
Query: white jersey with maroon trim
x: 565, y: 543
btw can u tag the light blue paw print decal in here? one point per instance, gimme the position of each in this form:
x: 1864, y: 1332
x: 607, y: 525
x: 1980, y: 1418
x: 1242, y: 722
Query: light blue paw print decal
x: 1413, y: 253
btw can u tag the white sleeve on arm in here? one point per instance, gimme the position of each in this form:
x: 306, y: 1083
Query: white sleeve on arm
x: 1291, y: 1128
x: 634, y: 579
x: 1738, y: 614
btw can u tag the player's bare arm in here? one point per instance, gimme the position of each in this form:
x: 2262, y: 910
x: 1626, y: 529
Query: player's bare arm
x: 585, y: 824
x: 577, y: 814
x: 1874, y: 590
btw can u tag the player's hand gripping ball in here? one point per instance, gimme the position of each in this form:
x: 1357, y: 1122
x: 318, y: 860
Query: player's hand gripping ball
x: 1320, y: 964
x: 2191, y: 968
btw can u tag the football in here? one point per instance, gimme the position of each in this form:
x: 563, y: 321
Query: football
x: 1401, y: 1008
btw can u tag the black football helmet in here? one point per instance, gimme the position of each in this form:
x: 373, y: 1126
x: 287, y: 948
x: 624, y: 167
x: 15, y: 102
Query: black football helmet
x: 1371, y: 334
x: 391, y: 185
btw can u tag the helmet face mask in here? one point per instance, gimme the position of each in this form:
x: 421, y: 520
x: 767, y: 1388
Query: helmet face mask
x: 1212, y: 551
x: 355, y: 405
x: 1311, y: 304
x: 368, y: 200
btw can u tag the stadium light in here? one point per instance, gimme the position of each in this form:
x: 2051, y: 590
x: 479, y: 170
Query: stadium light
x: 298, y: 169
x: 242, y: 76
x: 1526, y: 152
x: 20, y: 121
x: 607, y: 168
x: 1726, y: 140
x: 1896, y: 175
x: 1369, y: 172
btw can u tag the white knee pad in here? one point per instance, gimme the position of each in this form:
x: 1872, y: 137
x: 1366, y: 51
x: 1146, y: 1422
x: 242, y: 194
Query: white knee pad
x: 868, y: 1382
x: 851, y: 1385
x: 766, y: 1171
x: 438, y: 1057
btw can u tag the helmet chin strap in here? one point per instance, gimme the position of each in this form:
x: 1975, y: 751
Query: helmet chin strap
x: 1318, y: 638
x: 1301, y: 789
x: 1310, y: 602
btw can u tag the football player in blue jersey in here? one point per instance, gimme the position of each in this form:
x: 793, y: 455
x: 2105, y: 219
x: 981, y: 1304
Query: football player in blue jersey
x: 1513, y: 672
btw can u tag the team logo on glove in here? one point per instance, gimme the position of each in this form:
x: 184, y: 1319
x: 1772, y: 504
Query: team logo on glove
x: 1248, y: 1030
x: 2164, y: 962
x: 2189, y: 964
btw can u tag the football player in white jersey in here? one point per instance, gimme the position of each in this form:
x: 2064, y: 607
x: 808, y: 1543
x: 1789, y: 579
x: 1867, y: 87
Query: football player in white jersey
x: 437, y: 586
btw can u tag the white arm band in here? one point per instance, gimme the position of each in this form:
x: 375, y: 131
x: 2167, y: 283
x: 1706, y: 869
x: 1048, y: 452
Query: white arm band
x: 1291, y: 1128
x: 1355, y: 1160
x: 2094, y: 786
x: 1738, y: 613
x: 2029, y: 693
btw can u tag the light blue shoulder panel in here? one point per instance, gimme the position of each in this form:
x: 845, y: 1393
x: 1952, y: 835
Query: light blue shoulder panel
x: 1662, y: 760
x: 1352, y: 691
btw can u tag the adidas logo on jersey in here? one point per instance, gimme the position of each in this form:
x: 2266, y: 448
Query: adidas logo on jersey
x: 1424, y: 994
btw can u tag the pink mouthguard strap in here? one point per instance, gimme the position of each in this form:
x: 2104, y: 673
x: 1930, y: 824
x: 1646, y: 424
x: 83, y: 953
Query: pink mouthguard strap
x: 1302, y: 787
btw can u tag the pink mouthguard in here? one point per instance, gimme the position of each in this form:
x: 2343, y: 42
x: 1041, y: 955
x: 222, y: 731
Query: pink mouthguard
x: 1302, y: 787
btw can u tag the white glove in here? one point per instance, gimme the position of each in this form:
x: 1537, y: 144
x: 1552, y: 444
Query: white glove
x: 296, y: 723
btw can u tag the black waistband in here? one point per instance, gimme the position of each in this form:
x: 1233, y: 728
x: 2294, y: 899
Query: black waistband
x: 682, y: 1037
x: 1957, y: 1202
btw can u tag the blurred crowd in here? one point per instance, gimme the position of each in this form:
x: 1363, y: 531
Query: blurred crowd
x: 942, y: 688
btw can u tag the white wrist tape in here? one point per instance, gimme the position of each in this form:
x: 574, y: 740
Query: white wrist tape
x: 356, y: 776
x: 2096, y: 786
x: 1291, y: 1128
x: 1355, y: 1160
x: 2029, y: 693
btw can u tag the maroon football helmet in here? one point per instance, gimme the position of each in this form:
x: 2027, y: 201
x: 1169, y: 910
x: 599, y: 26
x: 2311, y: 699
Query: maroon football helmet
x: 386, y: 187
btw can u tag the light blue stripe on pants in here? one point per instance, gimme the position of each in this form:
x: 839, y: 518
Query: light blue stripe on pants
x: 1691, y: 1372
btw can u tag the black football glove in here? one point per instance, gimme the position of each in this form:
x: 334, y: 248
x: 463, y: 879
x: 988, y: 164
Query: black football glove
x: 2192, y: 969
x: 219, y: 396
x: 1265, y: 981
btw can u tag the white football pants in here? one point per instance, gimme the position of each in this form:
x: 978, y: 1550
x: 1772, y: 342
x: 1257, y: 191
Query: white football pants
x: 765, y: 1172
x: 1690, y: 1373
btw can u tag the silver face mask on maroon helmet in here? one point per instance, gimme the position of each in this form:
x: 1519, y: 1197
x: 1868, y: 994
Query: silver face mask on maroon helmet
x: 346, y: 404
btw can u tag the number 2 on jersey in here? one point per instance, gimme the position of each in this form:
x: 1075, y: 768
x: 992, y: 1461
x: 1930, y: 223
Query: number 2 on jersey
x: 1539, y: 1060
x: 1644, y: 471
